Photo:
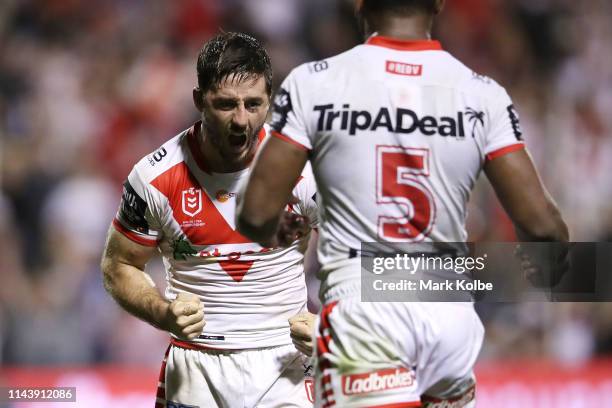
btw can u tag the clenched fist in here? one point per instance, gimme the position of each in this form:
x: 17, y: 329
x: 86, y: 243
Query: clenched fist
x: 302, y: 326
x: 185, y: 316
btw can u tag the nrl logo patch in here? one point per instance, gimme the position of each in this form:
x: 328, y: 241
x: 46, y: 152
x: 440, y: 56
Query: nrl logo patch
x: 192, y: 201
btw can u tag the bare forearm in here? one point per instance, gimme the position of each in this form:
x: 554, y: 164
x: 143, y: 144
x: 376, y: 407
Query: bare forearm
x: 130, y: 288
x: 273, y: 176
x: 550, y: 227
x: 520, y: 190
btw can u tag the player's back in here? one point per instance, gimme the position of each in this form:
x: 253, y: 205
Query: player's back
x: 398, y: 132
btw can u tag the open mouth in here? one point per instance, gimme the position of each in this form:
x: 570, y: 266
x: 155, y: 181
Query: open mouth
x: 238, y: 141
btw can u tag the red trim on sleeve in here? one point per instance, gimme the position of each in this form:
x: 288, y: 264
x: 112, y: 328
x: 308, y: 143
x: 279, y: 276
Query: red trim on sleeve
x: 289, y: 140
x: 505, y: 150
x: 404, y: 45
x: 132, y: 236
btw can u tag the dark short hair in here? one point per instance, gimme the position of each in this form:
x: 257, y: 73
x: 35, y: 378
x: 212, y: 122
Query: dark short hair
x: 232, y: 54
x: 400, y: 6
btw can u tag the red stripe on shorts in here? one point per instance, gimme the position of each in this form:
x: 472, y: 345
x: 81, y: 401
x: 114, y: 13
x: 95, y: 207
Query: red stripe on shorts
x: 161, y: 388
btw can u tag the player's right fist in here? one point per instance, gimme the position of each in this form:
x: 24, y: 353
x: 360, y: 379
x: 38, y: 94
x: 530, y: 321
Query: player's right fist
x: 185, y: 316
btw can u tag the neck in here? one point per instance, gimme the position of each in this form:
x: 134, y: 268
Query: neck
x: 415, y: 27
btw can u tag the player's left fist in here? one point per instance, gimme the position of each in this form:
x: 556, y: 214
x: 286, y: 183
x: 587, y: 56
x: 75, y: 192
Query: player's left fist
x: 291, y: 228
x: 301, y: 326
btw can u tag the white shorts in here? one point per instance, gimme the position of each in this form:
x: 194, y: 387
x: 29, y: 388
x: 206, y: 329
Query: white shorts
x: 396, y: 354
x: 267, y: 377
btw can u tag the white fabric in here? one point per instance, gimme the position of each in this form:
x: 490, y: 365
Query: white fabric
x: 432, y: 345
x: 397, y: 137
x: 266, y: 378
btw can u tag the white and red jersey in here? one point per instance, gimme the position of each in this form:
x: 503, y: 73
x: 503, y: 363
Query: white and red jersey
x: 397, y: 134
x: 172, y: 201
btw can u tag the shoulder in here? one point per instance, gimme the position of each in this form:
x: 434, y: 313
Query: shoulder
x: 161, y: 159
x: 312, y: 72
x: 472, y: 82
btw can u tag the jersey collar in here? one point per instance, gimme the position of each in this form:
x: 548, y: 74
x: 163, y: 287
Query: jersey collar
x: 404, y: 45
x: 194, y: 145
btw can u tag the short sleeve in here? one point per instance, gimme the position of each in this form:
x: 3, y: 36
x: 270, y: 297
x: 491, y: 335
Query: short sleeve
x: 504, y: 132
x: 288, y: 119
x: 306, y: 192
x: 135, y: 217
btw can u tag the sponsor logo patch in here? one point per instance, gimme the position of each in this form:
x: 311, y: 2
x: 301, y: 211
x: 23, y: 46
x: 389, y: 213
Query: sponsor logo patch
x: 401, y: 68
x: 222, y: 195
x: 476, y: 118
x: 400, y: 120
x: 318, y: 66
x: 133, y: 209
x: 157, y: 156
x: 377, y: 381
x: 515, y: 122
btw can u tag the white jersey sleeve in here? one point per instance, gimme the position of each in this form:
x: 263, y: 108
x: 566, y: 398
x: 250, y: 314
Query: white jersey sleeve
x: 288, y: 115
x: 504, y: 131
x: 138, y: 214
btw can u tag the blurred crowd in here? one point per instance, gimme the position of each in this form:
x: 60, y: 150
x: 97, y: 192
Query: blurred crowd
x: 89, y: 87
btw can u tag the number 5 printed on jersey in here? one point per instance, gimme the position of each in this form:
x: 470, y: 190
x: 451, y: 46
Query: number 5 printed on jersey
x: 397, y: 182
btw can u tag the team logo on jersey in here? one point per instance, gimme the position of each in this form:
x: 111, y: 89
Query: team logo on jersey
x: 280, y: 110
x: 475, y: 117
x: 377, y: 381
x: 401, y: 68
x: 192, y: 201
x: 223, y: 195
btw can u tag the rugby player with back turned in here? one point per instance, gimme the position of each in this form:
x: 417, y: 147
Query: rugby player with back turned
x: 397, y: 131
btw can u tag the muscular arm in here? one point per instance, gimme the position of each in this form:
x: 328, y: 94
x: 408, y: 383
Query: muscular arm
x: 123, y: 264
x: 525, y: 199
x: 275, y: 171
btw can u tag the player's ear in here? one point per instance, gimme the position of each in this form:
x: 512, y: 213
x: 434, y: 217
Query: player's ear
x: 198, y: 99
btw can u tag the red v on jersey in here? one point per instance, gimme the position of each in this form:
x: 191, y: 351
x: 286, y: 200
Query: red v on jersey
x: 204, y: 227
x: 198, y: 217
x: 236, y: 269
